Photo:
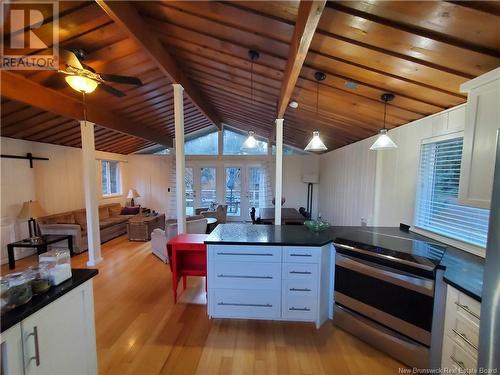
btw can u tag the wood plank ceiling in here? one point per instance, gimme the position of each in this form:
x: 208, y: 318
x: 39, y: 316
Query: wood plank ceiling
x: 420, y: 51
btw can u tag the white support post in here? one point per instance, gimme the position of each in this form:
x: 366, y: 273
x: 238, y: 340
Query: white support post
x: 279, y: 171
x: 90, y: 183
x: 180, y: 171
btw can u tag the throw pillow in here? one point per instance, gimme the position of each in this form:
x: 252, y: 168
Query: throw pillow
x: 130, y: 210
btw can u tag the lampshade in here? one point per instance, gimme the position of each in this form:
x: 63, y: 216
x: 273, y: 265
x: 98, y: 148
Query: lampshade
x: 30, y: 209
x: 383, y: 142
x: 310, y: 178
x: 132, y: 193
x: 81, y: 84
x: 316, y: 144
x: 250, y: 142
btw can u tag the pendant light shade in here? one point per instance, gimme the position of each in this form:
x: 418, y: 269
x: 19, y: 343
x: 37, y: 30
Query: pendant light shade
x: 384, y: 142
x: 315, y: 144
x: 81, y: 84
x: 250, y: 142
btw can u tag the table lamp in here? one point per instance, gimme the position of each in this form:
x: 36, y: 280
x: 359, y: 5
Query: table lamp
x: 30, y: 211
x: 132, y: 193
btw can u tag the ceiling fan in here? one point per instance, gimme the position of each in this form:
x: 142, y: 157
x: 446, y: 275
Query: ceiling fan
x: 85, y: 79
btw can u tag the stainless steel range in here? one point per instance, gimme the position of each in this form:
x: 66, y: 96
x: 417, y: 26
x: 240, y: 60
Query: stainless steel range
x: 385, y: 293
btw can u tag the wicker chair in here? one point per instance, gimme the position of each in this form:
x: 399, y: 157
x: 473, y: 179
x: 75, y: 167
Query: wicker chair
x: 220, y: 214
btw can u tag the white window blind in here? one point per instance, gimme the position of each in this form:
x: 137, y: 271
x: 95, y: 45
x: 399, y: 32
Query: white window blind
x: 437, y: 209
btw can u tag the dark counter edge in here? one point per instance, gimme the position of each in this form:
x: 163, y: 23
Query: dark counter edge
x: 462, y: 289
x: 78, y: 277
x: 410, y: 235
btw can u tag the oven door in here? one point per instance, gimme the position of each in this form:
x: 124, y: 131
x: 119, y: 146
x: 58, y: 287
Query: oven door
x: 395, y: 299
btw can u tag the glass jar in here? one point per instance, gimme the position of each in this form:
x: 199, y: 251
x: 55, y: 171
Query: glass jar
x: 4, y: 295
x: 19, y: 288
x: 58, y: 262
x: 41, y: 279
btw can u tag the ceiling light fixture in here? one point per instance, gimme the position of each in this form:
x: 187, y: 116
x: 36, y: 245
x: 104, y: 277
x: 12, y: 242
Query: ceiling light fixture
x: 81, y: 83
x: 251, y: 142
x: 293, y: 104
x: 384, y: 142
x: 316, y: 144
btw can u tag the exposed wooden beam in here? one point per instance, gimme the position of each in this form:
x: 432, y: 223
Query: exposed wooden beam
x: 417, y: 30
x: 15, y: 87
x: 126, y: 15
x: 305, y: 27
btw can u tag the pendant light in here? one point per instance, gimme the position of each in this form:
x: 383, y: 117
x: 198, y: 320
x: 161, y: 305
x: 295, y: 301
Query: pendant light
x: 384, y: 142
x: 251, y: 142
x: 316, y: 144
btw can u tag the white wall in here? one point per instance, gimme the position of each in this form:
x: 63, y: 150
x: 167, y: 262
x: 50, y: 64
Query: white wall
x: 57, y: 184
x: 380, y: 186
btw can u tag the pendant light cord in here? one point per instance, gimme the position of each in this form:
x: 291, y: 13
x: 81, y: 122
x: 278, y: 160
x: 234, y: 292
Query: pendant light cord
x: 84, y: 107
x: 317, y: 101
x: 251, y: 81
x: 385, y: 112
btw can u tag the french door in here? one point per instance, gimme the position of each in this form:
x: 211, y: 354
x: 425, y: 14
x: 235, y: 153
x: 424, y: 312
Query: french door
x: 201, y: 187
x: 245, y: 187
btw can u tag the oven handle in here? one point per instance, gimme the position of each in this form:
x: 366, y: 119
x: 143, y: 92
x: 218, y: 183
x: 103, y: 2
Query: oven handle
x: 415, y: 283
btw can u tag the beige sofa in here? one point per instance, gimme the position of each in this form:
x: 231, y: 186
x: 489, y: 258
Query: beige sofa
x: 111, y: 223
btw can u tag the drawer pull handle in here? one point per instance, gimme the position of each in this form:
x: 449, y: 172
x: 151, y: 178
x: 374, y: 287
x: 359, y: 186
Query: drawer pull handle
x: 37, y: 348
x: 301, y: 272
x: 467, y: 308
x: 245, y: 304
x: 244, y: 276
x: 300, y: 289
x: 253, y: 254
x: 299, y: 309
x: 465, y: 338
x: 300, y: 255
x: 457, y: 362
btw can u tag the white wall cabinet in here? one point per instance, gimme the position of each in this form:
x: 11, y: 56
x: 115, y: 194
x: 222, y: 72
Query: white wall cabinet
x: 461, y: 332
x: 57, y: 339
x: 481, y: 125
x: 269, y: 282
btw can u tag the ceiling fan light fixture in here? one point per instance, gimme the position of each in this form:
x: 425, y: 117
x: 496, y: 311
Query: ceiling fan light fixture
x: 315, y: 144
x: 81, y: 83
x: 250, y: 142
x: 383, y: 142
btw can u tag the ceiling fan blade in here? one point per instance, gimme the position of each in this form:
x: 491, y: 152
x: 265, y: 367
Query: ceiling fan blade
x: 56, y: 82
x: 112, y: 90
x: 70, y: 58
x: 121, y: 79
x: 85, y: 66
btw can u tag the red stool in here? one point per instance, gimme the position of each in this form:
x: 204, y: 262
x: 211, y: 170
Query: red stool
x: 188, y: 257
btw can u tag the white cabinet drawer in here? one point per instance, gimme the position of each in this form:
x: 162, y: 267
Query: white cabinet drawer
x: 300, y: 287
x: 240, y: 253
x: 297, y: 307
x: 246, y: 275
x: 465, y: 332
x: 301, y: 254
x: 300, y: 271
x: 457, y: 303
x: 455, y: 357
x: 235, y: 303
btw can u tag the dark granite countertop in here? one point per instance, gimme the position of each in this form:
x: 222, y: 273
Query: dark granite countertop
x: 79, y: 276
x: 463, y: 270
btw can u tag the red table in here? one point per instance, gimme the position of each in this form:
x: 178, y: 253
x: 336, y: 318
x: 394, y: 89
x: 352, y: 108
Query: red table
x: 188, y: 257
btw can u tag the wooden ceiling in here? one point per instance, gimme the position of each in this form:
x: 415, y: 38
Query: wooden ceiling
x: 420, y: 51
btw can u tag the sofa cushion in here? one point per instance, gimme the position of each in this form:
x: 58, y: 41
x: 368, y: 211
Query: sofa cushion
x: 81, y: 218
x: 130, y: 210
x: 110, y: 221
x: 115, y: 210
x: 103, y: 213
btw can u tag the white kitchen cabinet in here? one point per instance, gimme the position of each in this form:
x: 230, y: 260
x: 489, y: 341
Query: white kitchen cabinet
x: 58, y: 339
x: 481, y: 124
x: 12, y: 351
x: 269, y: 282
x: 461, y: 331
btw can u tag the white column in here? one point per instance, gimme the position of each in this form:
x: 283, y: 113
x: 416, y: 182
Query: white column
x: 279, y: 171
x: 90, y: 183
x: 180, y: 171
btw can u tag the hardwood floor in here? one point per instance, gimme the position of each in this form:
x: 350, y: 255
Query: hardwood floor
x: 140, y: 331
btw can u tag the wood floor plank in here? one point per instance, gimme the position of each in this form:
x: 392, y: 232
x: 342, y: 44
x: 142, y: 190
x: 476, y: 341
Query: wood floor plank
x: 140, y: 331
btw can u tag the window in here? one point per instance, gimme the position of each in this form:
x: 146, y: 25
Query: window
x: 110, y: 177
x: 234, y: 140
x: 208, y: 186
x: 437, y: 209
x: 289, y: 150
x: 207, y: 144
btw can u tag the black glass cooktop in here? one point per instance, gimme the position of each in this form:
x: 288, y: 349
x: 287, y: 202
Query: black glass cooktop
x: 396, y: 248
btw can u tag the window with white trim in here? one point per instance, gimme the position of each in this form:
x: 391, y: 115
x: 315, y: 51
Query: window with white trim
x: 437, y: 209
x: 111, y: 178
